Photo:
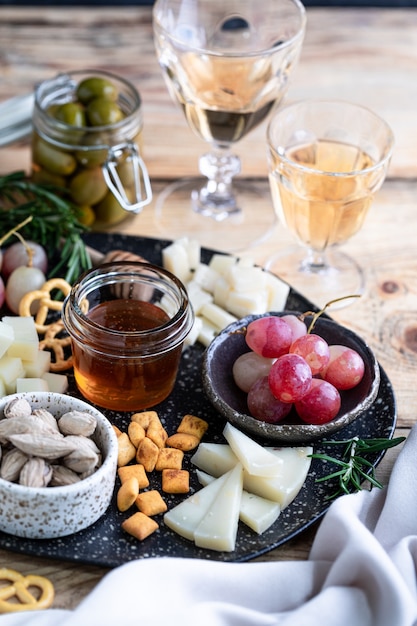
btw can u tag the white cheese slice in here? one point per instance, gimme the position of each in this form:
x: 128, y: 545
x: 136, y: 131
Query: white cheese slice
x: 218, y: 528
x: 175, y: 260
x: 186, y: 516
x: 214, y: 458
x: 257, y: 460
x: 256, y: 512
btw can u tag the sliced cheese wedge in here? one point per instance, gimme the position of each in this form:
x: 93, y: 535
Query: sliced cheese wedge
x: 218, y: 528
x: 256, y: 512
x: 186, y: 516
x: 217, y: 458
x: 257, y: 460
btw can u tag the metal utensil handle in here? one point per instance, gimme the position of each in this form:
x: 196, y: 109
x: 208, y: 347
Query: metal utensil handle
x: 140, y: 173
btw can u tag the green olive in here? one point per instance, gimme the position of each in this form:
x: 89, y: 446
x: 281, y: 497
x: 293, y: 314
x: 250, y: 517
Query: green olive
x: 109, y: 212
x: 41, y: 176
x: 102, y: 112
x: 96, y: 87
x: 88, y: 187
x: 53, y: 160
x: 71, y: 113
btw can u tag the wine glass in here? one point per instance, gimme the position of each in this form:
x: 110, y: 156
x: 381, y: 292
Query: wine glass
x: 227, y: 63
x: 326, y: 161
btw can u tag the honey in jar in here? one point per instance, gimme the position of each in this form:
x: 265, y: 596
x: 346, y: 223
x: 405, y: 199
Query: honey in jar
x: 127, y: 323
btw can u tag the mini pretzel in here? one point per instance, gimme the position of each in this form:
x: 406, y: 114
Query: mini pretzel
x: 18, y: 589
x: 46, y: 304
x: 56, y: 345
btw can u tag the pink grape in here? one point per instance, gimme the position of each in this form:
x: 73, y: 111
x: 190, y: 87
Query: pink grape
x: 263, y: 405
x: 290, y: 378
x: 345, y: 368
x: 269, y: 336
x: 314, y: 349
x: 16, y: 255
x: 297, y: 326
x: 320, y: 405
x: 2, y: 292
x: 248, y: 368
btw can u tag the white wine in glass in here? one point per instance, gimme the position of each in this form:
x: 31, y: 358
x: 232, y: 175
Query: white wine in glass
x: 227, y: 63
x: 326, y: 161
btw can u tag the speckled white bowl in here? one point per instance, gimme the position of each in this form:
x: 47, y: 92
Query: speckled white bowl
x: 44, y: 513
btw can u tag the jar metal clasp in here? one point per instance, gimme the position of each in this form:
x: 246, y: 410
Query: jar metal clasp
x: 142, y: 184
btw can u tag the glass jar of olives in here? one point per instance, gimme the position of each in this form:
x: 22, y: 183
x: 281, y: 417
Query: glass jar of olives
x: 87, y: 129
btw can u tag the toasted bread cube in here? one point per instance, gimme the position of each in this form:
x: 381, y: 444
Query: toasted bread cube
x: 140, y: 525
x: 151, y: 503
x: 137, y: 470
x: 147, y: 454
x: 175, y: 481
x: 127, y: 493
x: 136, y: 433
x: 144, y: 418
x: 127, y: 450
x: 183, y: 441
x: 157, y: 433
x: 169, y: 458
x: 117, y: 430
x: 193, y: 425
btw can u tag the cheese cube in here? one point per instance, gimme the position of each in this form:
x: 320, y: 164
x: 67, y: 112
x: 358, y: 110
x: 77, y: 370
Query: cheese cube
x: 26, y: 340
x: 221, y: 291
x: 57, y: 383
x: 242, y: 304
x: 217, y: 316
x: 31, y: 384
x: 277, y: 291
x: 194, y: 333
x: 38, y: 367
x: 221, y: 263
x: 206, y: 277
x: 175, y: 260
x: 198, y: 296
x: 6, y: 337
x: 11, y: 368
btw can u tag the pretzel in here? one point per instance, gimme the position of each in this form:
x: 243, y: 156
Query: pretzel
x: 56, y: 345
x: 46, y: 304
x: 18, y: 589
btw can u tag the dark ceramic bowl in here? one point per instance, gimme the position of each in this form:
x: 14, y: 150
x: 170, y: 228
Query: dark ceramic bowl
x: 230, y: 401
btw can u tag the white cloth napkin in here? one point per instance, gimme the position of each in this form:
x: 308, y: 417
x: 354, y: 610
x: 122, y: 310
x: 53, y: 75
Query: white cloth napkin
x: 362, y: 570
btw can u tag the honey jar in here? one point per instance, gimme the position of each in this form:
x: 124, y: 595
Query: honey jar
x: 87, y: 139
x: 127, y: 322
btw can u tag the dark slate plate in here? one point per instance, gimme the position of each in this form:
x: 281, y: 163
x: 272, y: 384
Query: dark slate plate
x: 107, y: 545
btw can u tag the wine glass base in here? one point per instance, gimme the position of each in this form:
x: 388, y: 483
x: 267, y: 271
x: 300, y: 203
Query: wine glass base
x: 237, y: 227
x: 340, y: 278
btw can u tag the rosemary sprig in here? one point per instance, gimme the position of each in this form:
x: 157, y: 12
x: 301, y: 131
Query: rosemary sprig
x: 353, y: 465
x: 54, y: 225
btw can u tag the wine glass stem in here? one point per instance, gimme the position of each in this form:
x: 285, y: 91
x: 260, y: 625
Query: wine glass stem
x: 216, y: 198
x: 315, y: 262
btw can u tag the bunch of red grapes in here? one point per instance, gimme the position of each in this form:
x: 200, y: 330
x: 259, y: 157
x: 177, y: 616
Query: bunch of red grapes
x: 288, y: 367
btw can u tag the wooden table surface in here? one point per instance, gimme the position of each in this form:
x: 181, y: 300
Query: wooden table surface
x: 365, y: 55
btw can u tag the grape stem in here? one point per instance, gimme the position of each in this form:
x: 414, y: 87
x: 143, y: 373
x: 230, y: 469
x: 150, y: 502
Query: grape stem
x: 354, y: 467
x: 317, y: 314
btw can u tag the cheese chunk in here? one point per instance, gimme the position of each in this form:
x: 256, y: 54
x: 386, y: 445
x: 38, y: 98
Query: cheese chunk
x: 6, y: 337
x: 57, y: 383
x: 256, y: 512
x: 11, y: 368
x: 257, y: 460
x: 187, y: 515
x: 218, y: 528
x: 31, y: 384
x: 26, y: 340
x: 39, y: 366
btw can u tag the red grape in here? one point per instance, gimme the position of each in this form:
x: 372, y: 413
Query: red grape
x: 2, y: 292
x: 297, y: 325
x: 290, y: 378
x: 320, y: 405
x: 314, y: 349
x: 263, y: 405
x: 248, y: 368
x: 345, y: 368
x: 269, y: 336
